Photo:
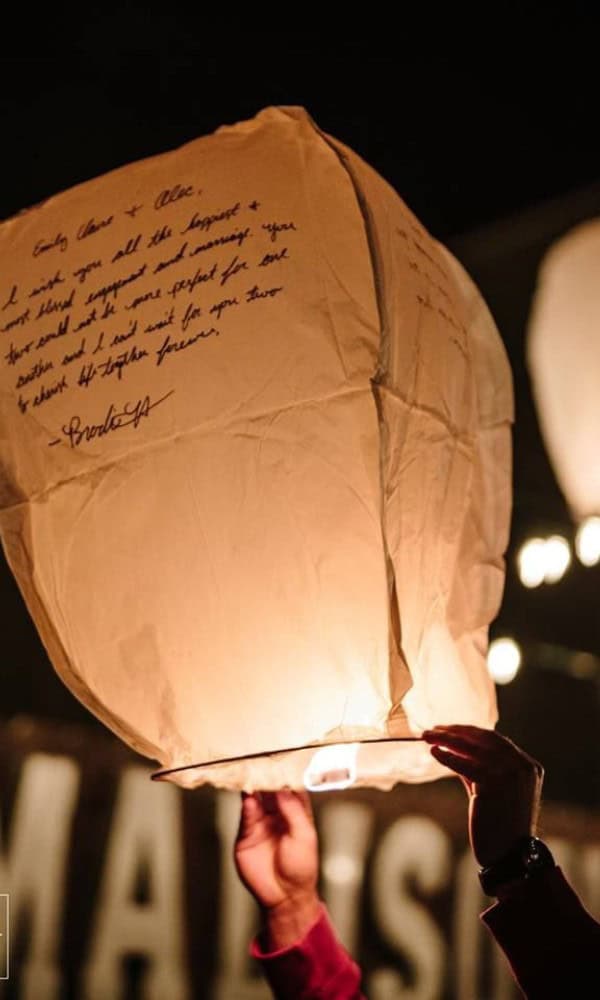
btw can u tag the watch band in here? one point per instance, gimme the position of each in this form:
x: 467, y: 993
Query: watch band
x: 526, y: 859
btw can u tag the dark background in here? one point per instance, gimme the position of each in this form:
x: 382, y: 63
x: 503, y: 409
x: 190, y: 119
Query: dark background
x: 489, y: 131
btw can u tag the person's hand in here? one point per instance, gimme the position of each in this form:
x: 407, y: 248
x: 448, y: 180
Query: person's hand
x: 503, y: 783
x: 276, y: 856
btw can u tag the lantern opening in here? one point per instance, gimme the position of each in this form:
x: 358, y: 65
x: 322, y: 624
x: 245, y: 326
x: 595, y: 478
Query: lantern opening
x: 332, y: 767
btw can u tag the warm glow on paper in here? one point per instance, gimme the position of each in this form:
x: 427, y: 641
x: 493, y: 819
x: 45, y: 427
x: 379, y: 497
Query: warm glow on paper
x: 255, y: 446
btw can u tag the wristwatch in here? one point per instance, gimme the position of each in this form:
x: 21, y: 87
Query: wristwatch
x: 526, y: 859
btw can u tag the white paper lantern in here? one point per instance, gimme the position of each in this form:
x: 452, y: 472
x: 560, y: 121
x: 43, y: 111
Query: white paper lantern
x: 564, y: 361
x: 255, y: 453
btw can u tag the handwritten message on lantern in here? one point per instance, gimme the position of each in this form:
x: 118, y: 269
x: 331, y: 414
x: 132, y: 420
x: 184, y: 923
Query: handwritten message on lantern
x: 139, y: 286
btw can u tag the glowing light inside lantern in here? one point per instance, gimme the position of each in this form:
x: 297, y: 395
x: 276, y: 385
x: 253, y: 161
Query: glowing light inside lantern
x: 557, y: 555
x: 332, y: 767
x: 531, y: 562
x: 587, y: 541
x: 504, y: 660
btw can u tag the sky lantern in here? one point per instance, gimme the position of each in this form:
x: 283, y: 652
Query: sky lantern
x: 564, y: 361
x: 255, y: 449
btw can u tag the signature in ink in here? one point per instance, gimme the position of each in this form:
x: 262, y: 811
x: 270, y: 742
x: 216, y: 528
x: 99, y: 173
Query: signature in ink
x: 77, y: 433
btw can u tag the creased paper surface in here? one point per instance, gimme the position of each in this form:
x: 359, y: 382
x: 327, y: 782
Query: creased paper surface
x: 254, y: 433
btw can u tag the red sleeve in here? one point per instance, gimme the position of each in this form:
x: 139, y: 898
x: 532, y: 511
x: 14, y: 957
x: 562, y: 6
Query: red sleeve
x: 316, y: 968
x: 549, y: 938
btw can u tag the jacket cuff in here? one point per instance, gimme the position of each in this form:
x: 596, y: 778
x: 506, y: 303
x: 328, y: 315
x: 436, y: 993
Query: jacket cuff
x: 317, y: 966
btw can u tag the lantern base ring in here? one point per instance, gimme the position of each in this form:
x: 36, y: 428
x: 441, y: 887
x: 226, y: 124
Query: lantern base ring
x: 160, y: 775
x: 316, y: 766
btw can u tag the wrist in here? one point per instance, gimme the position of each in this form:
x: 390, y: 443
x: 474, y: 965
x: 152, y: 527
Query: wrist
x: 527, y: 858
x: 289, y: 921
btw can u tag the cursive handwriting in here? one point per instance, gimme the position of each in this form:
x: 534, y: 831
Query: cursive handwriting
x: 36, y: 371
x: 159, y: 235
x: 170, y: 347
x: 19, y: 320
x: 171, y: 195
x: 161, y: 323
x: 274, y: 228
x: 115, y: 286
x: 91, y: 227
x: 236, y: 236
x: 188, y: 284
x: 146, y: 297
x: 61, y: 331
x: 82, y: 272
x: 272, y: 258
x: 253, y: 294
x: 119, y: 338
x: 15, y: 354
x: 12, y: 298
x: 111, y: 365
x: 219, y: 307
x: 47, y: 286
x: 192, y: 312
x: 55, y: 305
x: 55, y: 389
x: 232, y: 269
x: 204, y: 222
x: 131, y: 415
x: 74, y: 355
x: 164, y: 264
x: 43, y: 246
x: 130, y: 247
x: 89, y: 319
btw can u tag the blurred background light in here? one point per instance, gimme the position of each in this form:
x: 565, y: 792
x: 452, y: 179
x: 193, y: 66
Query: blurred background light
x: 587, y: 541
x: 531, y: 562
x: 504, y: 660
x: 557, y: 557
x: 543, y: 560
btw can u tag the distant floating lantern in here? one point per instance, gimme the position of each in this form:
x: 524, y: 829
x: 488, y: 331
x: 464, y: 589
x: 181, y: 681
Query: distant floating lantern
x: 255, y: 447
x: 564, y: 360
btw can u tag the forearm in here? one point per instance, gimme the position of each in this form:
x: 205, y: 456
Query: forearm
x: 550, y: 940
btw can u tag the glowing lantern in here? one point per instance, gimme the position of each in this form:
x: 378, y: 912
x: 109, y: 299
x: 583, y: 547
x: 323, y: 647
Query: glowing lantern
x: 255, y: 448
x: 564, y: 360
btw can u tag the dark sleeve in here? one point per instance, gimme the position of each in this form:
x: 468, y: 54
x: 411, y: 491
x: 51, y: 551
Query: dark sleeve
x: 551, y: 941
x: 316, y: 968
